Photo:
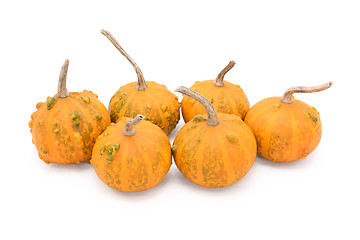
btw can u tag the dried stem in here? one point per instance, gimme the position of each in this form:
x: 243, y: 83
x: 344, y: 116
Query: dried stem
x: 62, y: 91
x: 213, y: 119
x: 141, y: 86
x: 286, y: 98
x: 128, y: 129
x: 219, y: 81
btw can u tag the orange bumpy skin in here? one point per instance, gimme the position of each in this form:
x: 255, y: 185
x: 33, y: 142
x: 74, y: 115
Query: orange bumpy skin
x: 229, y: 99
x: 64, y: 129
x: 214, y: 156
x: 284, y: 132
x: 135, y: 163
x: 156, y: 103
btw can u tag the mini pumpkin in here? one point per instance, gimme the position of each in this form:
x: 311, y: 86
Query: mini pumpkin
x: 132, y: 155
x: 213, y: 150
x: 286, y: 129
x: 65, y: 127
x: 226, y: 97
x: 150, y: 99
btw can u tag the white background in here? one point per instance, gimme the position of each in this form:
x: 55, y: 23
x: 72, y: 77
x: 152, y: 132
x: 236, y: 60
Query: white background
x: 276, y: 45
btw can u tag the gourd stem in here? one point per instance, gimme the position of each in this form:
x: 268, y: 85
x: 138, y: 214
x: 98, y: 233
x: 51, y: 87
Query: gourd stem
x: 213, y: 119
x: 141, y: 86
x: 62, y: 91
x: 287, y: 97
x: 219, y: 81
x: 128, y: 129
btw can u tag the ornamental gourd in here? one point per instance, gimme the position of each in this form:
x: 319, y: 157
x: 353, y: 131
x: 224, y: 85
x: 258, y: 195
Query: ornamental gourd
x: 132, y: 155
x: 213, y: 150
x: 150, y: 99
x: 223, y: 95
x: 286, y: 129
x: 65, y: 127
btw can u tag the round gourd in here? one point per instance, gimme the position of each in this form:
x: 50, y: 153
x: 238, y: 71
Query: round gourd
x: 65, y: 127
x: 132, y: 158
x: 213, y: 150
x: 150, y: 99
x: 286, y: 129
x: 224, y: 96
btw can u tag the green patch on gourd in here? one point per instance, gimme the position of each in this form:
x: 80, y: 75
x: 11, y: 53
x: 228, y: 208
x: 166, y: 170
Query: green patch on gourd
x: 77, y: 123
x: 194, y: 126
x: 75, y: 115
x: 205, y: 170
x: 174, y: 149
x: 199, y: 119
x: 98, y: 117
x: 103, y: 149
x: 50, y: 102
x: 113, y: 148
x: 85, y: 99
x: 232, y: 138
x: 109, y: 159
x: 315, y: 119
x: 43, y: 151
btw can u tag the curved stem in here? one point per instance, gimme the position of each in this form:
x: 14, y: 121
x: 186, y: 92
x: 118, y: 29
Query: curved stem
x: 141, y: 86
x: 219, y: 81
x: 128, y: 129
x: 213, y: 119
x: 286, y: 98
x: 62, y: 91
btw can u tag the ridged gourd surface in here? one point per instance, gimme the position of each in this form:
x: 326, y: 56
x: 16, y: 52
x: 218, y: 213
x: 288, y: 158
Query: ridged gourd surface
x: 132, y: 163
x: 215, y: 156
x: 156, y: 103
x: 229, y: 99
x: 65, y: 129
x: 284, y: 132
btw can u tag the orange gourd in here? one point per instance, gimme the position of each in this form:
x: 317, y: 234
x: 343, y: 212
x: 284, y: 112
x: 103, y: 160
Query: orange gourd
x: 150, y: 99
x: 213, y: 150
x: 132, y: 155
x: 286, y: 129
x: 223, y: 95
x: 65, y: 127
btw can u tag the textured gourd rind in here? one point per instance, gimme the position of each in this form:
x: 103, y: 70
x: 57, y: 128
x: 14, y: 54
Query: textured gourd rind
x: 229, y: 99
x: 214, y: 156
x: 64, y: 130
x: 156, y: 103
x: 284, y: 132
x: 135, y: 163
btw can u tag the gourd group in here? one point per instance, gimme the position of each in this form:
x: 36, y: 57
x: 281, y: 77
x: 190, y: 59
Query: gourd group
x: 128, y: 145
